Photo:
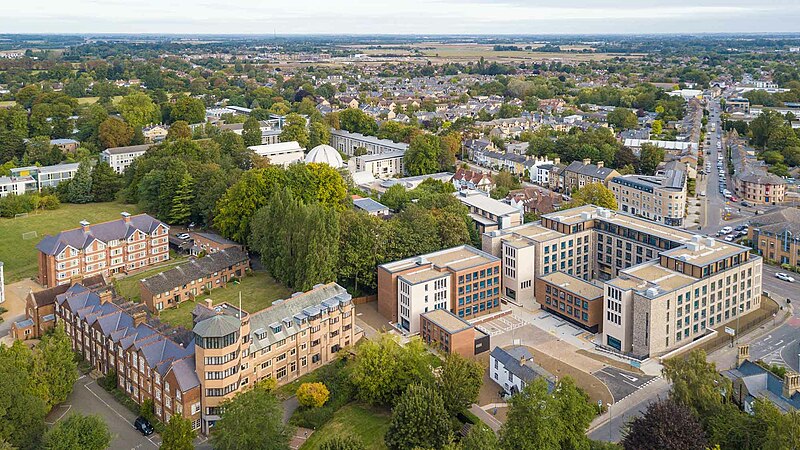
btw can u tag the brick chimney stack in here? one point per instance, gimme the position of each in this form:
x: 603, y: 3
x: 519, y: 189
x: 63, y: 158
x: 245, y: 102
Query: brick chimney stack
x: 139, y: 317
x: 600, y: 164
x: 586, y: 161
x: 791, y: 383
x: 85, y: 226
x: 126, y: 216
x: 744, y: 354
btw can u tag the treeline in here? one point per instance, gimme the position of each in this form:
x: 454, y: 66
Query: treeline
x: 778, y: 142
x: 644, y: 97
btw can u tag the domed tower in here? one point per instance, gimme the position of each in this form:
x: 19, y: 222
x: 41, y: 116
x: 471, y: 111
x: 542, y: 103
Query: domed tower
x: 325, y: 154
x: 221, y: 346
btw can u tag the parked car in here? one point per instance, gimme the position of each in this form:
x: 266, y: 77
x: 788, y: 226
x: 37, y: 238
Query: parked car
x: 784, y: 277
x: 739, y: 228
x: 143, y: 425
x: 745, y: 203
x: 726, y: 230
x: 729, y: 238
x: 184, y: 236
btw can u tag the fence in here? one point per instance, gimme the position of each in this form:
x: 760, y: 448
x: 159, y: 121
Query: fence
x: 364, y: 299
x: 769, y: 309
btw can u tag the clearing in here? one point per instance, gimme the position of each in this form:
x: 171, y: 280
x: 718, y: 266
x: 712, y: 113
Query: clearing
x: 367, y: 423
x: 20, y: 255
x: 258, y: 290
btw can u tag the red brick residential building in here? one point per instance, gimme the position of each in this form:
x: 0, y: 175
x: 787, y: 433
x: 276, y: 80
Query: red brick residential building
x: 126, y: 245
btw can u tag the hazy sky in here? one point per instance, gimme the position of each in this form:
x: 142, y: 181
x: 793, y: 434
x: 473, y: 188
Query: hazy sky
x: 398, y: 16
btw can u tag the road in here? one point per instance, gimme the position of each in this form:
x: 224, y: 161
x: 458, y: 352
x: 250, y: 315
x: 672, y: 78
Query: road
x: 631, y: 406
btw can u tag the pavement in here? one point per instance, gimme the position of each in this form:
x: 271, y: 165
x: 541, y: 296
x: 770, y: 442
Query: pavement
x: 15, y: 303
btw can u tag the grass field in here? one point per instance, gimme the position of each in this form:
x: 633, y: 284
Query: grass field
x: 93, y: 100
x: 472, y: 51
x: 369, y: 424
x: 20, y: 255
x: 258, y: 290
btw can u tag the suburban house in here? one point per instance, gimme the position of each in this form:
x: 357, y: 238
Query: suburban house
x: 752, y: 381
x: 125, y: 246
x: 513, y: 368
x: 371, y: 207
x: 472, y: 179
x: 66, y: 145
x: 581, y: 173
x: 185, y: 282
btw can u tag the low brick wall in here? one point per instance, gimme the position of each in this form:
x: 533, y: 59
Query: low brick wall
x: 365, y: 299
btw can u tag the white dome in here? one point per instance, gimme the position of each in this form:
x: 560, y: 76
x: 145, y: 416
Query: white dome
x: 325, y: 154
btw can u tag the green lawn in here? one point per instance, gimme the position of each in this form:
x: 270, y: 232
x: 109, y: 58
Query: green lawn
x: 20, y: 256
x: 369, y: 424
x: 258, y: 290
x: 128, y: 287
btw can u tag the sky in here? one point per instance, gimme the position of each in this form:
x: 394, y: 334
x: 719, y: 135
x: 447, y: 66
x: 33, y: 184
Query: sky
x: 399, y: 16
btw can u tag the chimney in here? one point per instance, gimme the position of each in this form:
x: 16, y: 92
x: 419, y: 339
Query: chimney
x: 744, y: 354
x: 126, y: 216
x: 600, y: 164
x: 791, y: 383
x: 556, y: 161
x: 139, y: 317
x: 85, y: 226
x: 105, y: 296
x: 586, y: 161
x: 209, y: 303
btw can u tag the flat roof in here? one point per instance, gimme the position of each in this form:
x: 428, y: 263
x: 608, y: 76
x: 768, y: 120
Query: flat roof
x: 573, y: 284
x: 486, y: 203
x: 655, y: 275
x: 447, y: 320
x: 423, y: 276
x: 456, y: 258
x: 381, y: 156
x: 701, y: 254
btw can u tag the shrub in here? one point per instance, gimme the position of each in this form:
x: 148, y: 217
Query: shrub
x: 336, y: 379
x: 312, y: 395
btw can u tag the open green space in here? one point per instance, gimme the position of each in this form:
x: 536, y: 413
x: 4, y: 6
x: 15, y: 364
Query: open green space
x: 258, y: 290
x: 369, y: 424
x: 128, y: 287
x: 20, y: 255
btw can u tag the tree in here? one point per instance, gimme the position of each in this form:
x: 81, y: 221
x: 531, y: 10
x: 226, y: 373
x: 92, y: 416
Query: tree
x: 665, y: 425
x: 764, y: 125
x: 181, y: 208
x: 346, y: 442
x: 622, y: 119
x: 422, y: 156
x: 543, y: 421
x: 178, y: 434
x: 295, y: 130
x: 179, y: 130
x: 419, y: 419
x: 54, y: 370
x: 696, y: 383
x: 781, y: 430
x: 657, y: 127
x: 360, y: 249
x: 357, y: 121
x: 241, y: 201
x: 459, y: 382
x: 22, y: 412
x: 113, y: 132
x: 251, y: 132
x: 319, y: 134
x: 251, y: 420
x: 395, y: 197
x: 312, y: 395
x: 625, y: 157
x: 593, y: 194
x: 383, y: 369
x: 480, y: 437
x: 105, y: 183
x: 79, y: 189
x: 78, y: 432
x: 189, y: 110
x: 139, y: 110
x: 650, y: 156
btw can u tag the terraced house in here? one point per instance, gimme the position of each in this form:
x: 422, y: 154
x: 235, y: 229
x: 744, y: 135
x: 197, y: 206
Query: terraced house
x: 127, y: 245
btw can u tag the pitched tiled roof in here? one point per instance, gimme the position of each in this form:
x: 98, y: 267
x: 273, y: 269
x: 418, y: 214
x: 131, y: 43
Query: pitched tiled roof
x: 589, y: 169
x: 104, y: 232
x: 194, y: 270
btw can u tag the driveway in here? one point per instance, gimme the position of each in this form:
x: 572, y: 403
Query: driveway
x: 622, y: 383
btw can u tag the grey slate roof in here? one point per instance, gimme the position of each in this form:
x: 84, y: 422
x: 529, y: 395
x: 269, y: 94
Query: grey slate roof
x: 194, y: 270
x: 761, y: 383
x: 527, y: 372
x: 589, y: 169
x: 104, y: 232
x: 778, y: 220
x: 217, y: 326
x: 369, y: 205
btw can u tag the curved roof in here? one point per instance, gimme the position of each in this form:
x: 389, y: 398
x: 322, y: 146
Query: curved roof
x: 217, y: 326
x: 325, y: 154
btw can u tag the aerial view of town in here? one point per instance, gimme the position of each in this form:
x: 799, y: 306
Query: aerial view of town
x: 419, y: 225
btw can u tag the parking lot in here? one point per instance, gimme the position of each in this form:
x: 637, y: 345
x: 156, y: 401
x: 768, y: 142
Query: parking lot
x: 89, y: 398
x: 622, y: 383
x: 501, y: 325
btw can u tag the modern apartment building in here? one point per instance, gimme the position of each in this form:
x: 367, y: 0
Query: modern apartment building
x: 776, y: 235
x: 347, y: 143
x: 185, y: 282
x: 235, y: 349
x: 46, y: 176
x: 660, y: 198
x: 662, y: 287
x: 487, y: 213
x: 120, y: 158
x: 119, y: 246
x: 228, y: 351
x: 576, y: 298
x: 380, y: 165
x: 280, y: 154
x: 449, y: 333
x: 463, y: 280
x: 17, y: 185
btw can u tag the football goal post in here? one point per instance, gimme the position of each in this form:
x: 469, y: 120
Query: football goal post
x: 20, y: 216
x: 28, y: 235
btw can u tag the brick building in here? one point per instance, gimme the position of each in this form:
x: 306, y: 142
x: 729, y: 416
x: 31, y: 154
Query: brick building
x: 185, y: 282
x: 449, y: 333
x: 127, y: 245
x: 575, y: 299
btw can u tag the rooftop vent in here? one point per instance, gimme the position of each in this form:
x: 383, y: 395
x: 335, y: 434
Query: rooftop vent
x: 586, y: 215
x: 651, y: 292
x: 697, y: 238
x: 709, y: 242
x: 693, y: 246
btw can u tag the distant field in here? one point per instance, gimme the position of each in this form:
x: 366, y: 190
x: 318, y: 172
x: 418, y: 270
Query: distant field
x: 93, y: 100
x: 20, y: 255
x: 455, y: 52
x: 7, y: 103
x: 258, y: 290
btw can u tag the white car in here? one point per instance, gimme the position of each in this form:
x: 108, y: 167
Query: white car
x: 729, y: 238
x: 183, y: 236
x: 784, y: 277
x: 726, y: 230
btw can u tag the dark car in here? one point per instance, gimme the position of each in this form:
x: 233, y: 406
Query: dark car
x: 143, y: 425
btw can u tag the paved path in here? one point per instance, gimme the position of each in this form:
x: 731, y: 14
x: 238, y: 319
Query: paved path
x: 608, y: 427
x: 486, y: 417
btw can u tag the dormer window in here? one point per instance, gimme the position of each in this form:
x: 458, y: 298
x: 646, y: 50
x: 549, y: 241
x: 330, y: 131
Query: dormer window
x: 276, y: 328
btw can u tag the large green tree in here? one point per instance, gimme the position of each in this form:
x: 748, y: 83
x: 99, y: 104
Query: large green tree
x: 79, y: 188
x: 422, y: 156
x: 181, y: 206
x: 361, y: 244
x: 622, y: 119
x: 188, y: 109
x: 650, y: 156
x: 318, y: 134
x: 178, y: 434
x: 54, y: 370
x: 357, y: 121
x: 251, y: 420
x: 251, y: 132
x: 480, y: 437
x: 113, y: 132
x: 696, y: 383
x: 105, y: 183
x: 538, y: 420
x: 22, y: 411
x: 138, y: 110
x: 593, y: 194
x: 78, y: 432
x: 665, y: 425
x: 295, y: 130
x: 459, y: 382
x: 419, y: 420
